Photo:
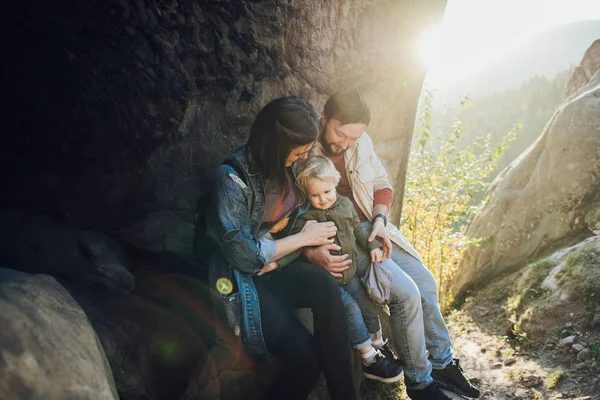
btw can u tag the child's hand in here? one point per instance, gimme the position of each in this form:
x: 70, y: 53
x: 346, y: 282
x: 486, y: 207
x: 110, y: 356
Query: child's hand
x: 377, y: 255
x: 272, y: 266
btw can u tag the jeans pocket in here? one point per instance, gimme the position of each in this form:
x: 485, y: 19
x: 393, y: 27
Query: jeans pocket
x: 234, y: 312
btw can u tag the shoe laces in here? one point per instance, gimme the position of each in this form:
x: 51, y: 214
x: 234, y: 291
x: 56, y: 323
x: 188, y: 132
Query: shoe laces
x: 456, y: 362
x: 386, y: 346
x: 380, y: 355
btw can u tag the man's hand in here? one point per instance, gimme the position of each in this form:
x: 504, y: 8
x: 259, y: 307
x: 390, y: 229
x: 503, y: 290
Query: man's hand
x: 322, y: 257
x: 379, y: 231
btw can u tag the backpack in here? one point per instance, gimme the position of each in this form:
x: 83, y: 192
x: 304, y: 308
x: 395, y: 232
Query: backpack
x: 203, y: 244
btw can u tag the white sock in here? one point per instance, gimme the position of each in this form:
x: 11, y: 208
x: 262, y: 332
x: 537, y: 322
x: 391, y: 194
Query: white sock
x: 378, y: 343
x: 369, y: 357
x: 376, y: 335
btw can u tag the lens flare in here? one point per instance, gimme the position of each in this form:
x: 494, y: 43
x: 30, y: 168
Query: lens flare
x: 224, y: 286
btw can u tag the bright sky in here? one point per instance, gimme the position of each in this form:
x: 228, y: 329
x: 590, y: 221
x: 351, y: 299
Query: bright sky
x: 475, y: 33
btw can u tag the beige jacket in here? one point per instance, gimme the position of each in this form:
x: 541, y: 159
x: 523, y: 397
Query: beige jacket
x: 366, y: 175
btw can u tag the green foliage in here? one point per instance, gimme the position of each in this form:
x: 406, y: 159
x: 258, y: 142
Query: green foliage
x: 582, y: 267
x: 442, y: 183
x: 521, y: 307
x: 552, y: 379
x: 513, y: 303
x: 596, y: 351
x: 587, y: 257
x: 592, y: 217
x: 532, y: 104
x: 374, y: 390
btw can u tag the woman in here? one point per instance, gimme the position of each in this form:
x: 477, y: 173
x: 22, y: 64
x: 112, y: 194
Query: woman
x: 254, y: 194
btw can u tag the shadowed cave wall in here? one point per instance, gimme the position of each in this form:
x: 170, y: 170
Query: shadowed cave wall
x: 117, y: 112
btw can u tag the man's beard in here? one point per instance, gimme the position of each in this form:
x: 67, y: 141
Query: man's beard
x: 327, y: 148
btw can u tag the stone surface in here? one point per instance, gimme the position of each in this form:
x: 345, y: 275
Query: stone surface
x: 578, y: 347
x: 48, y: 349
x: 539, y: 202
x: 135, y: 105
x: 139, y: 101
x: 584, y: 72
x: 153, y: 344
x: 568, y: 341
x: 228, y: 374
x: 559, y: 259
x: 510, y: 361
x: 37, y: 243
x: 584, y: 355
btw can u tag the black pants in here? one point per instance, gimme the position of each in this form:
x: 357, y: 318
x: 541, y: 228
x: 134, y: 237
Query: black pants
x: 301, y: 285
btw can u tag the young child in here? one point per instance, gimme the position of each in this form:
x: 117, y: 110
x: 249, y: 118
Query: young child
x: 318, y: 179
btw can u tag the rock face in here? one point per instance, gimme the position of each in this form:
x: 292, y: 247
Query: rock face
x: 136, y: 103
x: 48, y: 349
x: 583, y: 73
x: 36, y: 243
x: 118, y: 113
x: 542, y: 200
x: 152, y: 350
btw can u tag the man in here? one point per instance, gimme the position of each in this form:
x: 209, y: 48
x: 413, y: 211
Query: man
x: 416, y: 321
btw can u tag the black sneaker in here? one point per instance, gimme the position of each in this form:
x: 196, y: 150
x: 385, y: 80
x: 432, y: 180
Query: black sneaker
x: 453, y: 379
x: 387, y: 351
x: 431, y: 392
x: 383, y: 369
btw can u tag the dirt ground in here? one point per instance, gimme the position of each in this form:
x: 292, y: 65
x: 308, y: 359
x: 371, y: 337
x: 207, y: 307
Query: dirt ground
x: 502, y: 368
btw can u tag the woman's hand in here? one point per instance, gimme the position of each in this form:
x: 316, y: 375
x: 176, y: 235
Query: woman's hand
x: 317, y: 233
x: 272, y: 266
x: 377, y: 255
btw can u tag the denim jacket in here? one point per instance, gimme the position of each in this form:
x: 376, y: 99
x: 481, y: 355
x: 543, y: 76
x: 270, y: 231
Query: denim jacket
x: 234, y: 216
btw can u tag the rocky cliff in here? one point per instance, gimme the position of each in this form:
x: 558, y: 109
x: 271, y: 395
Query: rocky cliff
x: 549, y: 196
x: 118, y: 111
x: 115, y: 115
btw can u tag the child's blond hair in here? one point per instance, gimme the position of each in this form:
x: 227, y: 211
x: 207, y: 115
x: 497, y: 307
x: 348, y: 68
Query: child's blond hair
x: 319, y: 167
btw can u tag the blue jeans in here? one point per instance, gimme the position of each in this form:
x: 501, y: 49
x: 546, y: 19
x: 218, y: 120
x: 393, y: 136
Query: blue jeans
x: 415, y: 319
x: 353, y: 293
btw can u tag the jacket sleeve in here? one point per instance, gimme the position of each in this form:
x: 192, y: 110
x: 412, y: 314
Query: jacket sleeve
x: 228, y: 223
x: 380, y: 180
x: 361, y: 234
x: 285, y: 260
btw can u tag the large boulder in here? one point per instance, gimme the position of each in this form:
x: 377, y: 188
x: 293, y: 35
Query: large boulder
x: 38, y: 244
x: 229, y: 373
x: 540, y: 201
x: 48, y: 349
x: 154, y: 339
x: 584, y: 72
x: 137, y: 102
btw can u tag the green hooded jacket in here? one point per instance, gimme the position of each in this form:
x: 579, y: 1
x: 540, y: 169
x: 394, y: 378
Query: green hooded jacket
x: 350, y: 233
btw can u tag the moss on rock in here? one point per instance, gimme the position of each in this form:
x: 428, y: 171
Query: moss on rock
x: 592, y: 218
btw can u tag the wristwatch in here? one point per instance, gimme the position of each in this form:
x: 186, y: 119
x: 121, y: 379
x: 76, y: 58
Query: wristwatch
x: 383, y: 217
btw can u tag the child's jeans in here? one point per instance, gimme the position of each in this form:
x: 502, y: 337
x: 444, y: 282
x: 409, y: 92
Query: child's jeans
x: 354, y: 294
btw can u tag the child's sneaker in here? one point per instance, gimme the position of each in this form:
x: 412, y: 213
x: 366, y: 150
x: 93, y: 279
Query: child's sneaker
x: 383, y: 369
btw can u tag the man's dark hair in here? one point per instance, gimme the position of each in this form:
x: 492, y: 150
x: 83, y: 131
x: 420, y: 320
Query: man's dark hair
x: 348, y: 108
x: 279, y: 127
